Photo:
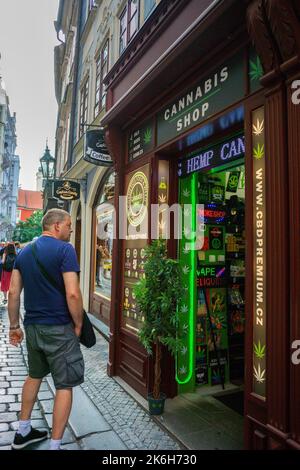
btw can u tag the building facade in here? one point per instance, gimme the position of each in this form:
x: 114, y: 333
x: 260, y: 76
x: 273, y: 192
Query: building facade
x: 10, y: 168
x: 28, y: 202
x: 91, y: 46
x: 200, y: 112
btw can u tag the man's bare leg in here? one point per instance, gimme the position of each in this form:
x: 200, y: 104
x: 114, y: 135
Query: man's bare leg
x: 29, y: 393
x: 61, y: 412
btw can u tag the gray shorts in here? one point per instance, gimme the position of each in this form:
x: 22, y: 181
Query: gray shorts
x: 55, y: 349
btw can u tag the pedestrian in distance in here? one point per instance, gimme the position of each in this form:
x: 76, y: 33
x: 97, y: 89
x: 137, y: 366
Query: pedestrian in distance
x: 18, y: 247
x: 2, y: 247
x: 8, y: 261
x: 52, y: 323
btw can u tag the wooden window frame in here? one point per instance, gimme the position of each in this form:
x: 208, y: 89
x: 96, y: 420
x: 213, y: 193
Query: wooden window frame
x: 83, y: 108
x: 102, y: 64
x: 125, y: 32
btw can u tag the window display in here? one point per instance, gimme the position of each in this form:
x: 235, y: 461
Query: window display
x: 104, y: 239
x: 220, y: 279
x: 218, y: 271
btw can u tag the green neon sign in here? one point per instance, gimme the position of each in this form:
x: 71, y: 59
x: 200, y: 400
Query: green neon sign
x: 185, y: 361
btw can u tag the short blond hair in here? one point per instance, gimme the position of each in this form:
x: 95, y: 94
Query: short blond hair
x: 53, y: 216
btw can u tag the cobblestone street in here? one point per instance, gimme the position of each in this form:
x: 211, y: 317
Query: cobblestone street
x: 118, y: 421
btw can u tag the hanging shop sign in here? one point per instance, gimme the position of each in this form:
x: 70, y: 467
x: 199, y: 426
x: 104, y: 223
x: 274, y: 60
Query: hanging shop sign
x: 95, y: 149
x: 259, y: 255
x: 217, y: 90
x: 212, y: 157
x: 141, y: 141
x: 66, y: 190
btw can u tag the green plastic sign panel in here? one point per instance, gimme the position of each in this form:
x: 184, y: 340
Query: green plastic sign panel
x: 141, y: 140
x: 218, y: 89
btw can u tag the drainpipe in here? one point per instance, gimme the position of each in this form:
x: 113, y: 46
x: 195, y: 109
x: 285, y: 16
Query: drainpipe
x: 75, y: 83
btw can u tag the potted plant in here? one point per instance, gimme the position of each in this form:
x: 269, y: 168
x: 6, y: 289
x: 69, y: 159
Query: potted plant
x: 157, y: 297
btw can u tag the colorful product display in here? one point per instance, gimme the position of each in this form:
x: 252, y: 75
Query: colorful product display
x: 219, y: 277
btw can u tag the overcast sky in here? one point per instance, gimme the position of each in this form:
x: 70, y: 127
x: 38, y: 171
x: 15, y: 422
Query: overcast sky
x: 27, y: 40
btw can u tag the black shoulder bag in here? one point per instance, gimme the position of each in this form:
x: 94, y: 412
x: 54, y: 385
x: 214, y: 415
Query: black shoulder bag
x: 87, y: 336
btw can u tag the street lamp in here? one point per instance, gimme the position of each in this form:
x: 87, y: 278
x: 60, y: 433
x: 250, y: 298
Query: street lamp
x: 48, y: 169
x: 47, y: 164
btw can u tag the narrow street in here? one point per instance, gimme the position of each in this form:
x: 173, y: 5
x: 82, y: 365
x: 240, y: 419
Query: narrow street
x: 103, y: 417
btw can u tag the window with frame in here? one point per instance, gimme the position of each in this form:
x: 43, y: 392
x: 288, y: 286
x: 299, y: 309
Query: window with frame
x: 129, y: 22
x: 148, y: 7
x: 105, y: 220
x: 92, y: 4
x: 101, y: 71
x: 83, y: 113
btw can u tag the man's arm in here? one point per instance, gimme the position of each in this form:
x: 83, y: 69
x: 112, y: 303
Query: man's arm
x: 74, y: 299
x: 15, y: 289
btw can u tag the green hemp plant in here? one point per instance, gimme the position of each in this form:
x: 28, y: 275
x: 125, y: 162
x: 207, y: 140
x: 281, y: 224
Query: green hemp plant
x: 157, y: 298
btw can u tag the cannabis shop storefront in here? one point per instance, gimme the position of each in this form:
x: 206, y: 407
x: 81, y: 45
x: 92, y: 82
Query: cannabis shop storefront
x: 214, y: 147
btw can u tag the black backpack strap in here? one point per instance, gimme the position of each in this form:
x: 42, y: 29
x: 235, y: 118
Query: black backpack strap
x: 44, y: 272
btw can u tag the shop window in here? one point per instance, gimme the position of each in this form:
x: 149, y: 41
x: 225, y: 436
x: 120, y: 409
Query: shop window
x: 101, y: 71
x: 128, y: 23
x: 213, y: 270
x: 104, y: 238
x: 83, y: 112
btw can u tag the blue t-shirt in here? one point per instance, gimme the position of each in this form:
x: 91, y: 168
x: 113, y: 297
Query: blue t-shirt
x: 44, y: 304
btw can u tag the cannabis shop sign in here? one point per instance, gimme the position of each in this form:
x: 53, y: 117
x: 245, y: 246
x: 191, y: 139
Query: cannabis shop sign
x: 220, y: 154
x: 259, y: 253
x: 217, y: 90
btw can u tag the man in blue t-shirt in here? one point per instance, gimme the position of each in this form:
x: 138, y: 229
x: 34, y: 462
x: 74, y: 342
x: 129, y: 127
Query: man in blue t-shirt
x: 53, y: 321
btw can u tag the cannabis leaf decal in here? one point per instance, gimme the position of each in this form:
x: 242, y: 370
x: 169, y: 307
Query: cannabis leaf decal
x: 185, y: 269
x: 256, y: 70
x: 259, y: 151
x: 187, y: 232
x: 184, y: 309
x: 259, y: 374
x: 259, y: 350
x: 259, y: 127
x: 162, y: 198
x: 186, y: 193
x: 184, y: 350
x: 182, y: 370
x: 147, y: 136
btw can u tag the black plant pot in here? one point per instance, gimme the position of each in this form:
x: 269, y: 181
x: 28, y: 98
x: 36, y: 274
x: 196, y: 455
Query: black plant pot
x: 156, y: 406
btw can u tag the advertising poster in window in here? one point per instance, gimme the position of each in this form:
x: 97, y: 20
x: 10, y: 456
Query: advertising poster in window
x: 137, y: 203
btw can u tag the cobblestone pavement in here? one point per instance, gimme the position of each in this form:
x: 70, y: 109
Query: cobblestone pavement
x: 13, y: 372
x: 127, y: 419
